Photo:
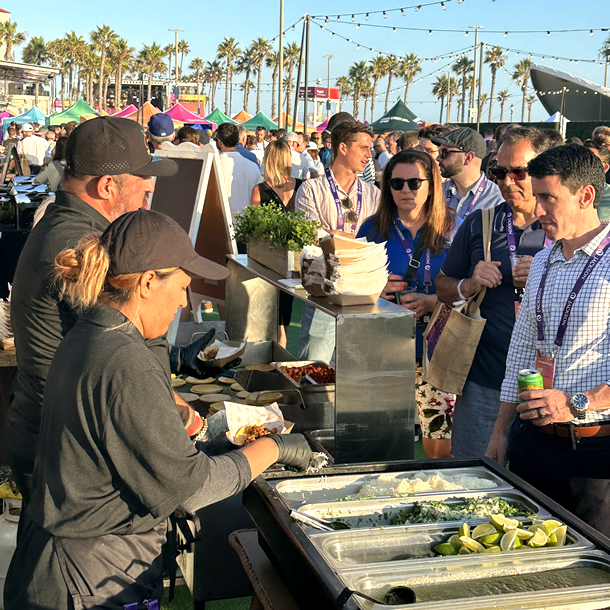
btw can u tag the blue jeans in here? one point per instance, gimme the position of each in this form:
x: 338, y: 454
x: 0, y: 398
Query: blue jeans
x: 474, y: 417
x: 317, y: 338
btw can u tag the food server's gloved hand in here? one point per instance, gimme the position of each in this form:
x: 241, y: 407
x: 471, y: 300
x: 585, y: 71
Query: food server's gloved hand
x: 184, y: 361
x: 294, y: 450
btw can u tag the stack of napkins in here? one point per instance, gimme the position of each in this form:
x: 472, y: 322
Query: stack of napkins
x: 356, y: 270
x: 313, y: 270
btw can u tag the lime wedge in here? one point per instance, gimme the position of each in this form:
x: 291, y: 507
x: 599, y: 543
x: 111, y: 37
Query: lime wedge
x: 503, y: 524
x: 558, y: 537
x: 539, y: 526
x: 446, y: 548
x: 551, y: 525
x: 489, y: 545
x: 524, y: 534
x: 510, y: 541
x: 464, y: 551
x: 538, y: 539
x: 491, y: 539
x: 464, y: 530
x: 472, y: 544
x: 485, y: 529
x: 493, y: 549
x: 455, y: 539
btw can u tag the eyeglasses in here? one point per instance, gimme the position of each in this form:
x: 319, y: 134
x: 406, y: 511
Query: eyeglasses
x: 414, y: 184
x: 351, y: 215
x: 516, y: 173
x: 443, y: 153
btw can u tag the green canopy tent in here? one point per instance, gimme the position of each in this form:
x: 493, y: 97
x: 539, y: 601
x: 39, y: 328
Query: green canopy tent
x: 73, y: 113
x: 260, y: 119
x: 398, y: 118
x: 219, y: 117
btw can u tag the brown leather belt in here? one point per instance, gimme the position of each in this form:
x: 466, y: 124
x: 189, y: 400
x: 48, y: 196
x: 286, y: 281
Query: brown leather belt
x: 563, y: 430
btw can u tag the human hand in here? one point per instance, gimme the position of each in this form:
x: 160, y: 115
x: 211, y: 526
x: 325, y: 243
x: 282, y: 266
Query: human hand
x: 395, y: 284
x: 184, y: 360
x: 419, y: 303
x: 294, y: 450
x: 521, y: 270
x: 341, y: 233
x: 543, y: 407
x: 485, y: 274
x: 497, y: 449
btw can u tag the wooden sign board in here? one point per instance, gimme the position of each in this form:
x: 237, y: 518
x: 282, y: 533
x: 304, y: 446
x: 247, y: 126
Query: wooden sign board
x: 196, y: 199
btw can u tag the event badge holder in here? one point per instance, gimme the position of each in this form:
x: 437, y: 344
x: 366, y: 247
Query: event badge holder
x: 545, y: 365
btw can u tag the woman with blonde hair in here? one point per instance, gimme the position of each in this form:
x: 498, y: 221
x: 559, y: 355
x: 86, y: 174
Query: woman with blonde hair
x: 279, y: 188
x: 417, y: 226
x: 113, y: 459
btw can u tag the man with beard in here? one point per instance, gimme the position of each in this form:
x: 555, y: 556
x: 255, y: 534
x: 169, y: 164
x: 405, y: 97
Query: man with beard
x: 516, y: 237
x: 459, y: 157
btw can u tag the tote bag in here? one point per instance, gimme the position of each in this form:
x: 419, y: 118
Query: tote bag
x: 452, y: 335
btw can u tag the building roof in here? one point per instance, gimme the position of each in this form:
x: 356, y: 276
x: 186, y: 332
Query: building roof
x: 25, y: 73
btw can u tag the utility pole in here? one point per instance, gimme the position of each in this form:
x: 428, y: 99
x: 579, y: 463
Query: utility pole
x: 306, y: 75
x: 295, y: 110
x: 473, y: 93
x: 176, y: 30
x: 479, y: 109
x: 281, y: 67
x: 329, y: 57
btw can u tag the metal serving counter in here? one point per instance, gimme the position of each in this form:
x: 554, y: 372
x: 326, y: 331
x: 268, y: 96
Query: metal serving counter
x: 374, y: 402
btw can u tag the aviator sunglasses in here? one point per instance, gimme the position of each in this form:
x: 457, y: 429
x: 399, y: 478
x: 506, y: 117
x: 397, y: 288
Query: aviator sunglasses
x: 414, y: 184
x: 516, y: 173
x: 351, y: 214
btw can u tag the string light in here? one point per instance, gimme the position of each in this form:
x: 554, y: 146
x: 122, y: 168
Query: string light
x: 367, y: 16
x: 465, y: 34
x: 394, y: 30
x: 385, y: 15
x: 444, y: 6
x: 590, y: 32
x: 358, y: 27
x: 402, y: 10
x: 326, y: 20
x: 338, y: 17
x: 417, y: 8
x: 430, y: 32
x: 352, y: 18
x: 505, y: 34
x: 548, y: 33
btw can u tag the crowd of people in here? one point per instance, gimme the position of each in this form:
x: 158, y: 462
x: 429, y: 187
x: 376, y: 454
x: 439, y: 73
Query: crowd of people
x: 90, y: 310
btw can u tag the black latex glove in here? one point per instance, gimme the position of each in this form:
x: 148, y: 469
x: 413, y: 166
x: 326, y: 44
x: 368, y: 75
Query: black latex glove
x: 294, y: 450
x: 216, y: 446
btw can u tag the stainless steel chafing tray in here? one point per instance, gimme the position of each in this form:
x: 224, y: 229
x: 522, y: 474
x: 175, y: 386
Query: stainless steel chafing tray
x: 561, y: 580
x: 324, y: 489
x: 381, y: 512
x: 395, y: 545
x: 306, y: 381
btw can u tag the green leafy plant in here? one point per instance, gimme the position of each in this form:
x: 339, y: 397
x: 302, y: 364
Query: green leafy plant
x: 267, y: 222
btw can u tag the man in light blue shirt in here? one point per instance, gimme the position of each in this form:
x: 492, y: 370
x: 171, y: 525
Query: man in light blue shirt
x: 459, y: 157
x: 241, y: 147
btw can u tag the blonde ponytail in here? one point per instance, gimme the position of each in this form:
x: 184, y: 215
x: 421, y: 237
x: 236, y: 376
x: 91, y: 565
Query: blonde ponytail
x: 80, y: 272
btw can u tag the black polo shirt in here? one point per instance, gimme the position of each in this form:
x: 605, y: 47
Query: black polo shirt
x: 498, y: 306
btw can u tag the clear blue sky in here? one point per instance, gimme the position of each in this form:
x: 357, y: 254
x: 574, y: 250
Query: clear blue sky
x: 205, y: 25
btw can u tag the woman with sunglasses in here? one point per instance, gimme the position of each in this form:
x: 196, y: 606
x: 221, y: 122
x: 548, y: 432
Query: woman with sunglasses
x: 417, y: 226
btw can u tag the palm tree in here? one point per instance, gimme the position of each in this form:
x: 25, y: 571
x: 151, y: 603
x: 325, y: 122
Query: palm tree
x: 503, y: 97
x: 359, y: 79
x: 169, y: 50
x: 464, y: 67
x: 496, y: 60
x: 228, y: 50
x: 213, y: 75
x: 183, y: 49
x: 36, y: 52
x: 122, y: 58
x: 482, y: 102
x: 152, y: 60
x: 521, y: 76
x: 197, y: 65
x: 530, y: 102
x: 90, y: 68
x: 10, y: 37
x: 73, y: 47
x: 272, y: 60
x: 102, y: 38
x: 378, y: 70
x: 604, y: 52
x: 291, y: 54
x: 345, y: 89
x: 453, y: 89
x: 439, y: 89
x: 367, y: 93
x: 260, y: 49
x: 392, y: 65
x: 247, y: 65
x: 409, y: 68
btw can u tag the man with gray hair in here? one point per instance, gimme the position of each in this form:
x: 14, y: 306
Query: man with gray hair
x: 160, y: 129
x: 241, y: 147
x: 391, y: 148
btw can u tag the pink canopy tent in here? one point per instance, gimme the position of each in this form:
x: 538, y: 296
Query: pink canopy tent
x: 322, y: 126
x: 181, y: 115
x: 126, y: 111
x: 5, y: 115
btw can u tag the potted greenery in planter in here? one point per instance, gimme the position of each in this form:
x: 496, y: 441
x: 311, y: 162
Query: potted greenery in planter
x: 275, y: 238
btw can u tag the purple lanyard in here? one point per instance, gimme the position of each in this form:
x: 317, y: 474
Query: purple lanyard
x: 567, y: 310
x: 510, y: 233
x: 408, y: 251
x: 335, y: 194
x: 476, y: 197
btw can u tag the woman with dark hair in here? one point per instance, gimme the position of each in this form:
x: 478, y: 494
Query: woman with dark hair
x: 416, y: 225
x: 53, y: 173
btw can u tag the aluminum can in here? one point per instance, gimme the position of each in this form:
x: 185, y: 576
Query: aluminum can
x: 529, y: 379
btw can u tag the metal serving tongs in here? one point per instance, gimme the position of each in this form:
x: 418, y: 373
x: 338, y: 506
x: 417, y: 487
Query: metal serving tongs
x: 320, y: 524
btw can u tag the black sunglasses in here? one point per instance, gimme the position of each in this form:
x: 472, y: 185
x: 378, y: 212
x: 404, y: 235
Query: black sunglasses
x: 348, y: 205
x: 516, y: 173
x: 443, y: 153
x: 414, y: 184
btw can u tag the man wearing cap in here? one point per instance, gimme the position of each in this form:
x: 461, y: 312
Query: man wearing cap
x: 160, y: 129
x: 31, y: 148
x: 459, y: 157
x: 108, y: 173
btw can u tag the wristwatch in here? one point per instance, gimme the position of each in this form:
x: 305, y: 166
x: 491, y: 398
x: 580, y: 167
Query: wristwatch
x: 581, y: 404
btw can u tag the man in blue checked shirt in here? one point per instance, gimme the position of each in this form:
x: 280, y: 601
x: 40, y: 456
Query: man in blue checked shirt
x: 560, y: 441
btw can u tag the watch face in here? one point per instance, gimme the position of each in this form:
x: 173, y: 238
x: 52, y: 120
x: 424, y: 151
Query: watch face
x: 580, y: 402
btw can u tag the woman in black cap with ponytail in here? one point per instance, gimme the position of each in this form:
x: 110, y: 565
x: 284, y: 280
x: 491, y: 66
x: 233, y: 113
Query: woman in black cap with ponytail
x: 113, y: 461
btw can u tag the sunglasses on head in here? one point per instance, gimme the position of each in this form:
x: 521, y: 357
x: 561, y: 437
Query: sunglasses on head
x: 516, y: 173
x: 414, y: 184
x: 443, y: 153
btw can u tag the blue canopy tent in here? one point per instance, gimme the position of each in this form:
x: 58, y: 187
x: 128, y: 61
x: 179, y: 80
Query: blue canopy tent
x: 33, y: 115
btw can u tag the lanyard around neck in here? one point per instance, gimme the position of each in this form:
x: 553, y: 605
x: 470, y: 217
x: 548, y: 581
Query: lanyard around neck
x: 409, y: 253
x: 335, y: 194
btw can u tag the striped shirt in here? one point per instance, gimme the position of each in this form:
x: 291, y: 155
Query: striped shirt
x: 583, y: 360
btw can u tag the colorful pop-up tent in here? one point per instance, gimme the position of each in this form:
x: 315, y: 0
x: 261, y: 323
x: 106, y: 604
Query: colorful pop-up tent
x: 145, y: 113
x: 262, y: 120
x: 398, y: 118
x: 219, y: 117
x: 299, y: 127
x: 126, y: 111
x: 73, y: 113
x: 322, y: 126
x: 180, y: 114
x: 242, y: 116
x: 33, y: 115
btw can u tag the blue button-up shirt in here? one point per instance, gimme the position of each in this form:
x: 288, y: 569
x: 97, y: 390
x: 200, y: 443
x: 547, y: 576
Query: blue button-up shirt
x: 489, y: 198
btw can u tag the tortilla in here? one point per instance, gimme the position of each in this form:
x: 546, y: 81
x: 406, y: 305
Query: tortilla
x: 215, y: 407
x: 212, y: 398
x: 226, y: 380
x: 210, y: 352
x: 188, y: 397
x: 195, y: 381
x: 243, y: 394
x: 265, y: 399
x: 206, y: 389
x: 265, y: 368
x: 178, y: 383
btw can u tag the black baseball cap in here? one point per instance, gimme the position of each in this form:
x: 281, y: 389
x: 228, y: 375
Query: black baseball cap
x: 465, y: 139
x: 146, y: 240
x: 109, y: 146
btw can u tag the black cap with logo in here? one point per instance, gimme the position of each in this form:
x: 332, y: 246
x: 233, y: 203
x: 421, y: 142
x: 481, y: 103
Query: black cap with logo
x: 146, y: 240
x: 108, y: 146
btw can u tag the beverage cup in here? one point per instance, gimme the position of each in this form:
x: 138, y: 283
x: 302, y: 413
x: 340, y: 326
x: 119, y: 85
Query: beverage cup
x: 513, y: 263
x: 401, y: 293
